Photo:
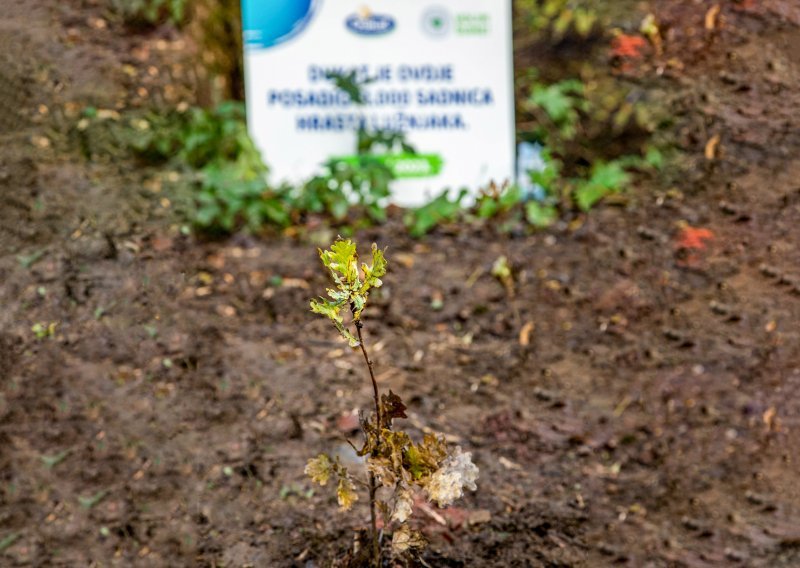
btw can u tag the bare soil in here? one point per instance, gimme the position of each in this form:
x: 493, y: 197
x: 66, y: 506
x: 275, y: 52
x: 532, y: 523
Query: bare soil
x: 634, y: 400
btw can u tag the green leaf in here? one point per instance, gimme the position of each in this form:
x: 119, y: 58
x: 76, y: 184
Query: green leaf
x: 351, y: 291
x: 342, y: 258
x: 328, y: 309
x: 332, y: 311
x: 488, y: 208
x: 373, y: 274
x: 549, y: 175
x: 540, y: 215
x: 421, y: 220
x: 606, y: 178
x: 654, y: 158
x: 588, y: 194
x: 510, y: 197
x: 609, y: 175
x: 557, y: 100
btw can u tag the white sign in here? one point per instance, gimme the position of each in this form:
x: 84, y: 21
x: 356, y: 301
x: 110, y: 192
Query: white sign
x: 442, y: 73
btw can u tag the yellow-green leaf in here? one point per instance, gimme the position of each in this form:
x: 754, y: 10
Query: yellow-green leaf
x: 372, y: 274
x: 351, y: 292
x: 425, y: 458
x: 346, y: 494
x: 342, y: 258
x: 328, y: 309
x: 320, y: 469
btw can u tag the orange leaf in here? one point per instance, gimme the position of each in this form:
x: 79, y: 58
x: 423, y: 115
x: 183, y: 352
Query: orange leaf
x: 628, y: 46
x: 694, y: 238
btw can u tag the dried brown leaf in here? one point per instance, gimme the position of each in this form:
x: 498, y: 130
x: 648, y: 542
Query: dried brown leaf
x: 404, y: 539
x: 391, y: 407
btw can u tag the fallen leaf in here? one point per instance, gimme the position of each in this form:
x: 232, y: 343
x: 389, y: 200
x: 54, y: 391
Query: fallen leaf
x: 525, y: 333
x: 628, y: 46
x: 711, y: 17
x: 40, y: 141
x: 295, y: 283
x: 694, y: 238
x: 508, y: 464
x: 404, y: 259
x: 770, y: 419
x: 710, y: 150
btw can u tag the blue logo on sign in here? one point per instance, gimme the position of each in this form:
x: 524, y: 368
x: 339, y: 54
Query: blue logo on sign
x: 370, y: 24
x: 272, y: 22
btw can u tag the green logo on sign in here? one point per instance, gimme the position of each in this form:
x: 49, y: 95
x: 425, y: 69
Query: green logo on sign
x: 472, y: 24
x: 405, y: 166
x: 436, y: 21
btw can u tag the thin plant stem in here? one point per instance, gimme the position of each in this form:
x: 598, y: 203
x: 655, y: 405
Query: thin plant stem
x: 359, y: 325
x: 376, y: 547
x: 373, y: 487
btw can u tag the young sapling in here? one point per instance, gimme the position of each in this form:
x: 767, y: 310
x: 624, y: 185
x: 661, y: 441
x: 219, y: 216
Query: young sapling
x: 397, y: 467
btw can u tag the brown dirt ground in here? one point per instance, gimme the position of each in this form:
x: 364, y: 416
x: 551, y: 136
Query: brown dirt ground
x: 649, y: 419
